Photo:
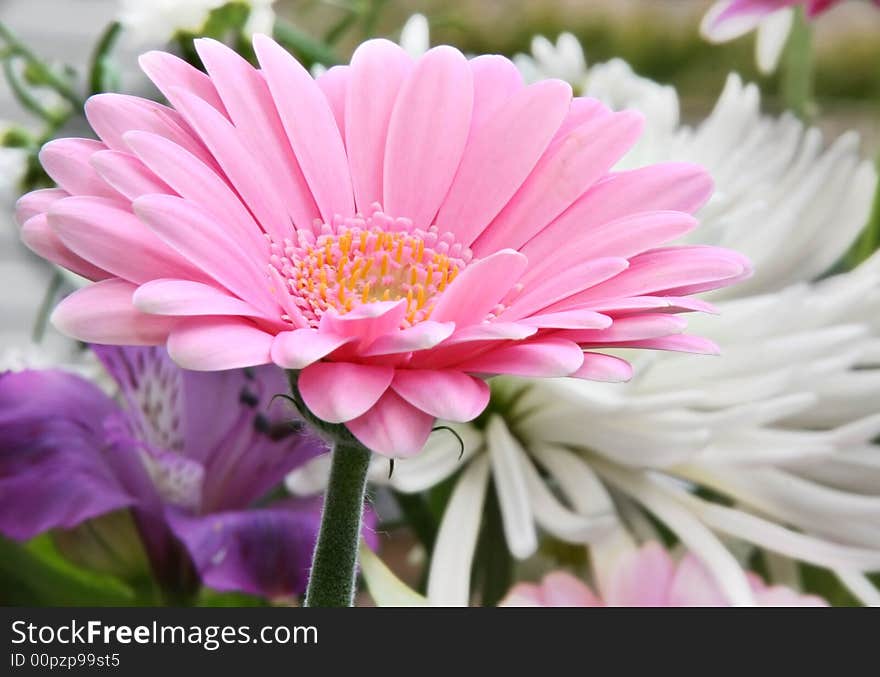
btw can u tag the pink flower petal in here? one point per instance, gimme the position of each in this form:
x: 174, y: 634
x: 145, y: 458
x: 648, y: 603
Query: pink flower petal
x: 641, y: 578
x: 247, y: 175
x: 628, y: 305
x: 67, y: 162
x: 569, y: 319
x: 378, y: 69
x: 471, y: 341
x: 551, y: 294
x: 169, y: 72
x: 103, y: 313
x: 184, y: 297
x: 199, y: 184
x: 113, y: 115
x: 693, y: 586
x: 203, y: 241
x: 499, y: 156
x: 251, y: 109
x: 568, y: 168
x: 310, y: 126
x: 450, y: 395
x: 673, y: 270
x: 493, y: 331
x: 41, y: 239
x: 671, y: 186
x: 634, y: 328
x: 547, y: 358
x: 623, y: 238
x: 218, y: 343
x: 582, y: 110
x: 334, y: 85
x: 494, y: 276
x: 523, y: 595
x: 37, y: 202
x: 102, y: 232
x: 299, y: 348
x: 561, y: 589
x: 337, y: 392
x: 127, y: 174
x: 496, y: 80
x: 422, y: 336
x: 683, y: 343
x: 365, y: 322
x: 434, y: 103
x: 393, y: 427
x: 599, y: 367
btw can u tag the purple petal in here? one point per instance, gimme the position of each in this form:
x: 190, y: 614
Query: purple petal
x: 221, y: 420
x: 53, y: 470
x: 261, y: 552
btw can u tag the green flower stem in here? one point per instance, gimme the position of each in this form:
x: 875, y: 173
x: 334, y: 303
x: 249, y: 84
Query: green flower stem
x: 48, y: 302
x: 334, y: 563
x: 797, y: 68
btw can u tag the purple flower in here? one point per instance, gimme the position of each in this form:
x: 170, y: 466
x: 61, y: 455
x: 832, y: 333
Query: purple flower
x: 191, y: 454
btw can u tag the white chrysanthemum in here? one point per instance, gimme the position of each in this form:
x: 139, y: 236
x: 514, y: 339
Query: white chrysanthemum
x: 150, y: 22
x: 780, y: 425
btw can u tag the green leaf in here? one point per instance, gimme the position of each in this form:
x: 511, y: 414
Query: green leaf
x: 34, y: 574
x: 226, y: 19
x: 822, y: 582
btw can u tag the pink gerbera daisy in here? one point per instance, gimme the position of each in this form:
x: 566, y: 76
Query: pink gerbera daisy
x: 397, y: 230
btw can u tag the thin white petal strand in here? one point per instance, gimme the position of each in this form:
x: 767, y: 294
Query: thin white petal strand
x: 449, y: 578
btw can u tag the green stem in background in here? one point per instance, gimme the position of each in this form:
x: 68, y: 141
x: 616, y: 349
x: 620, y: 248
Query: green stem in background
x: 46, y: 306
x: 796, y: 81
x: 40, y: 72
x: 103, y: 76
x: 869, y: 240
x: 494, y: 570
x: 27, y: 100
x: 334, y: 564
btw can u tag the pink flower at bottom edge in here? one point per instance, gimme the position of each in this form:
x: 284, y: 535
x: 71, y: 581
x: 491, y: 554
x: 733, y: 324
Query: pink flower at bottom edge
x: 397, y: 229
x: 649, y: 577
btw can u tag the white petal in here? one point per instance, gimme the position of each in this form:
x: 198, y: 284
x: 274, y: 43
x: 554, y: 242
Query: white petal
x: 507, y: 459
x: 777, y: 538
x: 415, y: 37
x: 860, y: 587
x: 701, y: 541
x: 772, y: 36
x: 310, y: 478
x: 576, y: 479
x: 385, y: 588
x: 557, y: 519
x: 449, y: 579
